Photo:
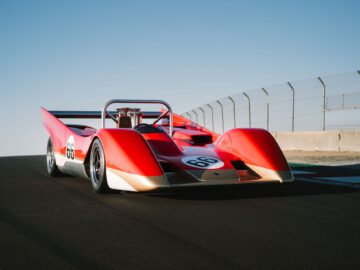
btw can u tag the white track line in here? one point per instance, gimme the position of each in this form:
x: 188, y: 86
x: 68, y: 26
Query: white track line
x: 342, y: 179
x: 327, y: 182
x: 301, y: 172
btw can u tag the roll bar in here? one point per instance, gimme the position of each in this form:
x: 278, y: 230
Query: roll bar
x: 105, y: 113
x: 95, y: 114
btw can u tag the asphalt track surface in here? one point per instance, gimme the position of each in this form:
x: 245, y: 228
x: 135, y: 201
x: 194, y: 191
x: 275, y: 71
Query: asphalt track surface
x: 60, y: 223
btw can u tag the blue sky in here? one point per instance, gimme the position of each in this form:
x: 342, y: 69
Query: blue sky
x: 78, y: 54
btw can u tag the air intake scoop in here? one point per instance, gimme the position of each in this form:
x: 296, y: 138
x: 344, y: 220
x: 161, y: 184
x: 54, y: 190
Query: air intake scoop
x: 197, y: 137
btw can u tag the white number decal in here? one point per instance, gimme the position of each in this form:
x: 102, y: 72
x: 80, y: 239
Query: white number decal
x: 70, y: 147
x: 203, y: 162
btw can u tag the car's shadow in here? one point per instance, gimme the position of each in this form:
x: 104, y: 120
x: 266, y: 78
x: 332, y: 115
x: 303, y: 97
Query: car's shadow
x: 264, y: 190
x: 297, y: 188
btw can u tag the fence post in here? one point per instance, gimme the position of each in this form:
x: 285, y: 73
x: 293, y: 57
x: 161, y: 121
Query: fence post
x: 188, y: 115
x: 293, y: 107
x: 196, y: 116
x: 212, y: 117
x: 267, y: 107
x: 203, y: 112
x: 324, y: 101
x: 234, y: 109
x: 248, y: 98
x: 222, y: 115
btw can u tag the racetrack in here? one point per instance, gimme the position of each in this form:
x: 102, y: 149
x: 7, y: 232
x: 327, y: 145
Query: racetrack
x: 60, y: 223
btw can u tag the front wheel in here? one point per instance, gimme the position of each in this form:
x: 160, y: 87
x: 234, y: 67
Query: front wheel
x: 98, y: 168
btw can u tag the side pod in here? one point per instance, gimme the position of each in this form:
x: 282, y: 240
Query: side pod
x: 258, y: 150
x: 130, y: 163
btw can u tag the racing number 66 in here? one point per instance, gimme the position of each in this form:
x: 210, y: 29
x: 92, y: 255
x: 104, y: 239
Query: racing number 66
x: 201, y: 162
x: 70, y: 150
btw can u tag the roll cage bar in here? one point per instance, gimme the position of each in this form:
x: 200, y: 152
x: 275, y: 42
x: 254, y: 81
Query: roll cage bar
x: 110, y: 114
x: 105, y: 112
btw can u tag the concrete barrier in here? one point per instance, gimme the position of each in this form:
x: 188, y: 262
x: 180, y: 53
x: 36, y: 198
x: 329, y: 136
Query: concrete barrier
x: 340, y: 141
x: 349, y: 141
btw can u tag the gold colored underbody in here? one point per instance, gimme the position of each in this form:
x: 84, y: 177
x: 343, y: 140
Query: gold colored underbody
x: 198, y: 178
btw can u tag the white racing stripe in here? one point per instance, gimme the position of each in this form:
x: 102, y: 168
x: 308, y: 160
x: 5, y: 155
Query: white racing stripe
x: 327, y: 182
x: 301, y: 172
x: 116, y: 182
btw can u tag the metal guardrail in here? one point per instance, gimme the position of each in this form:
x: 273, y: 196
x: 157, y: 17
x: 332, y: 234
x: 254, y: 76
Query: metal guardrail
x: 298, y: 105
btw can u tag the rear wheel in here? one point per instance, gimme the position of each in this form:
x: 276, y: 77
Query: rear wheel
x: 51, y: 166
x: 98, y: 168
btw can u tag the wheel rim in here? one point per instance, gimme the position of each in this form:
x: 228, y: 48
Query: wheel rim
x: 50, y: 156
x: 96, y: 166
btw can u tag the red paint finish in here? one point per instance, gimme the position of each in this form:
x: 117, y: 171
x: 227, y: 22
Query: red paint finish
x: 162, y: 144
x: 188, y: 134
x: 60, y: 134
x: 140, y: 154
x: 127, y: 150
x: 253, y: 146
x: 55, y: 128
x: 181, y: 121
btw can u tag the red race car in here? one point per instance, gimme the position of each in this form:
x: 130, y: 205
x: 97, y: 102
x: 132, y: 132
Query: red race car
x: 167, y: 151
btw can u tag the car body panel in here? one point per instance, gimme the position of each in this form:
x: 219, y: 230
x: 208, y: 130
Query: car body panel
x: 192, y: 156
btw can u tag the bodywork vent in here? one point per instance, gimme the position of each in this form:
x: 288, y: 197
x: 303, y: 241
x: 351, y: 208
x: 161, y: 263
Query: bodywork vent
x: 239, y: 165
x: 201, y: 139
x: 167, y: 167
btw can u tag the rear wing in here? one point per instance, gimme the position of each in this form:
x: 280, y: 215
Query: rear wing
x: 104, y: 113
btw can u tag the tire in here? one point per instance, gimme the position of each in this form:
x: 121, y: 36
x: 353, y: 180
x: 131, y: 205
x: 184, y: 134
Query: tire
x: 98, y: 168
x: 51, y: 166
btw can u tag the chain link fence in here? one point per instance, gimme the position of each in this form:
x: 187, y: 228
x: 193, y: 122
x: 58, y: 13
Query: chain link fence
x: 322, y: 103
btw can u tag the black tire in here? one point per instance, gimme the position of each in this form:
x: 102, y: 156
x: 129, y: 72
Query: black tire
x: 98, y: 168
x: 51, y: 166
